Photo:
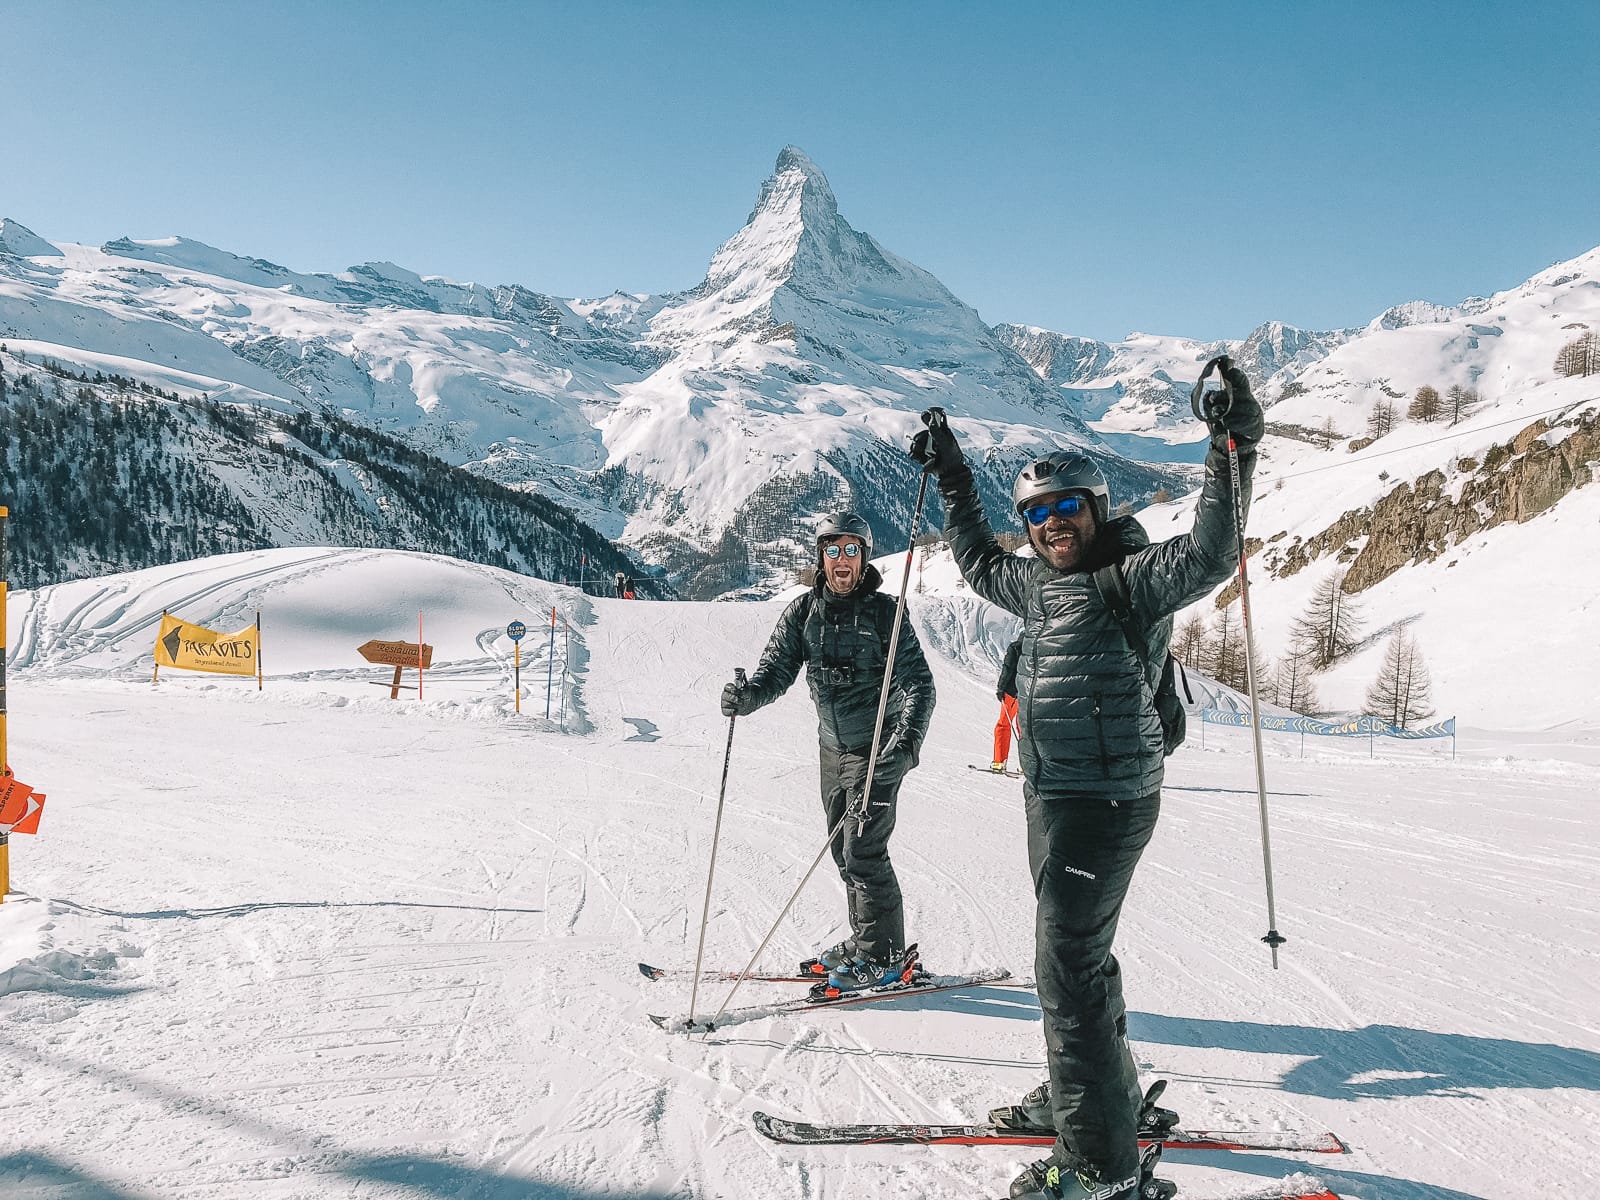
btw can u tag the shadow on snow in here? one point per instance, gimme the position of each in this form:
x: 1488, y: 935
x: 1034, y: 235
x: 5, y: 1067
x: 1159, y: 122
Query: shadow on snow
x: 1382, y: 1061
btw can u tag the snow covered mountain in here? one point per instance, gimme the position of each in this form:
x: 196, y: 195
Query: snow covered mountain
x: 1469, y: 529
x: 1135, y: 393
x: 796, y: 373
x: 702, y: 430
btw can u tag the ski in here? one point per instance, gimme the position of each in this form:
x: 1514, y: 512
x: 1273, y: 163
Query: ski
x: 1288, y: 1189
x: 919, y: 985
x: 992, y: 771
x: 802, y: 1133
x: 654, y: 973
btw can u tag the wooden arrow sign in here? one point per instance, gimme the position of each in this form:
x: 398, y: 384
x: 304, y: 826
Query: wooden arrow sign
x: 396, y: 654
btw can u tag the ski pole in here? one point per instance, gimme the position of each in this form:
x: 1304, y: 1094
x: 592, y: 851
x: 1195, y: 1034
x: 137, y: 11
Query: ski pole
x: 716, y: 835
x: 1208, y: 410
x: 857, y: 810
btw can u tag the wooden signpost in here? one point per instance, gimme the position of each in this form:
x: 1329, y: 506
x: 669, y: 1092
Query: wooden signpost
x: 399, y: 655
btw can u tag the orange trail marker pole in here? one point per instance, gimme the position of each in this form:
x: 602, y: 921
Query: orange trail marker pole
x: 258, y: 649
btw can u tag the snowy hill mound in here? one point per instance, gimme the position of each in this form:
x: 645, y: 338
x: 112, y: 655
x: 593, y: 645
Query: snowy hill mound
x: 388, y: 947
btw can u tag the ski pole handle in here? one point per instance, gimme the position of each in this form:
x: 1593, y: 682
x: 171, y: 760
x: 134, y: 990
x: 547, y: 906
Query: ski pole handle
x: 1205, y: 404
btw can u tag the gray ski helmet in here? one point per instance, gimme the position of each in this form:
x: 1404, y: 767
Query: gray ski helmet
x: 845, y: 524
x: 1062, y: 471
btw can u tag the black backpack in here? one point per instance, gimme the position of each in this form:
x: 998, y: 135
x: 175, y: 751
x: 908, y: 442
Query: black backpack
x: 1113, y: 585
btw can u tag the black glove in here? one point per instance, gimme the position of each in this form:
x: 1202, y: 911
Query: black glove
x: 896, y: 757
x: 735, y: 698
x: 1242, y: 419
x: 936, y: 447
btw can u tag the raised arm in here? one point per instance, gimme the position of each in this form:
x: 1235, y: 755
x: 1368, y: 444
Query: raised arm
x: 991, y: 572
x: 1175, y: 573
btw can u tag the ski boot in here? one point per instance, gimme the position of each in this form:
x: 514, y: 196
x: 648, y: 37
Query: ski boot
x: 1077, y: 1179
x: 864, y: 973
x: 835, y: 958
x: 998, y: 768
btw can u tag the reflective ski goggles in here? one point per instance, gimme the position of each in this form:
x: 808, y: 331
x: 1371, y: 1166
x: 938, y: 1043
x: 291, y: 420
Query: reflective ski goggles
x: 1067, y: 506
x: 849, y: 550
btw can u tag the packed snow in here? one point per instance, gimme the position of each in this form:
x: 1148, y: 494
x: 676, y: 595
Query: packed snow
x: 312, y: 942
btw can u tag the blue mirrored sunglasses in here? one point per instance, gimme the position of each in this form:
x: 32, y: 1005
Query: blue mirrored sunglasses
x: 850, y: 550
x: 1067, y: 506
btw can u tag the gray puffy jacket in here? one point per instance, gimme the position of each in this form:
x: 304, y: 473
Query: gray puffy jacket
x: 843, y: 642
x: 1085, y: 701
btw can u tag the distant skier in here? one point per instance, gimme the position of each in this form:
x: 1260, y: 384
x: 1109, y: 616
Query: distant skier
x: 627, y: 588
x: 620, y: 583
x: 840, y: 630
x: 1006, y: 692
x: 1092, y: 754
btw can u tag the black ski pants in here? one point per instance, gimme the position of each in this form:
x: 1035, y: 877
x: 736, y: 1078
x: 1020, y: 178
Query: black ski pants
x: 861, y: 852
x: 1082, y: 851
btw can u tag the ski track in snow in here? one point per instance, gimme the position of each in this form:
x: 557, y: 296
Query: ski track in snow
x: 315, y: 943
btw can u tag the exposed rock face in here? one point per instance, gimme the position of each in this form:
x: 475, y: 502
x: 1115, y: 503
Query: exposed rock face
x: 1419, y: 521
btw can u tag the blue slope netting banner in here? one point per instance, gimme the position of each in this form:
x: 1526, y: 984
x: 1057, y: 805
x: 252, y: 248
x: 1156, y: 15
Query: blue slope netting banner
x: 1360, y: 727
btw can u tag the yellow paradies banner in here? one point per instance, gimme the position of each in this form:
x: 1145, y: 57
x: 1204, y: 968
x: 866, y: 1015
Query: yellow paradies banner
x: 191, y: 647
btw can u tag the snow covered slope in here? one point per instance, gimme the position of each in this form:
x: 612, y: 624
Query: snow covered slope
x: 314, y: 943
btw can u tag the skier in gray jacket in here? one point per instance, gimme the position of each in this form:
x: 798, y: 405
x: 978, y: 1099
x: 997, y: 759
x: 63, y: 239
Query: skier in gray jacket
x: 839, y: 631
x: 1092, y: 754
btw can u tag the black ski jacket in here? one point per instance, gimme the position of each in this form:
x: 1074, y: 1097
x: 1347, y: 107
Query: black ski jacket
x: 843, y: 642
x: 1007, y: 685
x: 1085, y: 702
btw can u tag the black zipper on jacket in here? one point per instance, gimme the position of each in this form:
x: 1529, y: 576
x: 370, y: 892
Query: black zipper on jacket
x: 1100, y: 732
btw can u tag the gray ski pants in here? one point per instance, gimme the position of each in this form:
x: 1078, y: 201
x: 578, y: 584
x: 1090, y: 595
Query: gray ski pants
x: 877, y: 920
x: 1082, y: 851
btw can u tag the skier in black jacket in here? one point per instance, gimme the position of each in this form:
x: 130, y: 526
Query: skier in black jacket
x: 1092, y: 753
x: 840, y: 632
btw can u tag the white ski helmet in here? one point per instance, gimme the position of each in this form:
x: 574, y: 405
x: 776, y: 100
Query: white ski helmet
x: 845, y: 524
x: 1062, y: 471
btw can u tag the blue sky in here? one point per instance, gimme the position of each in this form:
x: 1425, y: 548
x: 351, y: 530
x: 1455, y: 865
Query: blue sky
x: 1093, y: 168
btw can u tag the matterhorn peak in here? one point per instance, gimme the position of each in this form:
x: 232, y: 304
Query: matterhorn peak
x: 794, y: 236
x: 798, y: 189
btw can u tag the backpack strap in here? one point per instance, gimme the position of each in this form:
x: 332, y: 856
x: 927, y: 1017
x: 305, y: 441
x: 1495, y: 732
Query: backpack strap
x: 1113, y: 585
